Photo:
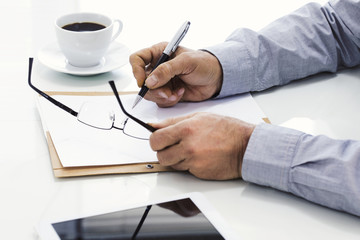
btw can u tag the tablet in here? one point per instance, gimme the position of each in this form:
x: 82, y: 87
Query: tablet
x: 188, y: 216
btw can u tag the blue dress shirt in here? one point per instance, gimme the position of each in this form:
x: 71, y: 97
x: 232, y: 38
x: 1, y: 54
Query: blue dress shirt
x: 310, y: 40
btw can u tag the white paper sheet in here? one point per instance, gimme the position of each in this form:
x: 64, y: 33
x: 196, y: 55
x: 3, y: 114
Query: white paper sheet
x: 80, y: 145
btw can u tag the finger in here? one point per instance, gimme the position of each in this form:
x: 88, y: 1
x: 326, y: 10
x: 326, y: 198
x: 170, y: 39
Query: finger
x: 181, y: 166
x: 165, y: 97
x: 138, y: 62
x: 170, y: 121
x: 169, y: 133
x: 163, y: 137
x: 140, y: 59
x: 172, y: 156
x: 168, y: 70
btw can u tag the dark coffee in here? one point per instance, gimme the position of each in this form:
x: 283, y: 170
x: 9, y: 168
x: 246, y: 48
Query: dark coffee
x: 83, y: 26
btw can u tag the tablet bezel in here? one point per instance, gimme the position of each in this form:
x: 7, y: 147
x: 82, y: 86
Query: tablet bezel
x: 46, y: 231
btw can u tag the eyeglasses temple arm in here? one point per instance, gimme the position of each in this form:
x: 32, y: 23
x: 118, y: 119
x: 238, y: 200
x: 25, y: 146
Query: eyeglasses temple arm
x: 147, y: 126
x: 142, y: 220
x: 59, y: 104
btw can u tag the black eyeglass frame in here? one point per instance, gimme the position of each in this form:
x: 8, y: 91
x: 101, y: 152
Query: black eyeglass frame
x: 74, y: 113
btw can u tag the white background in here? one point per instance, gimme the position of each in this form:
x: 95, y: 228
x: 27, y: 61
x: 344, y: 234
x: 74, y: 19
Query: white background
x: 326, y: 104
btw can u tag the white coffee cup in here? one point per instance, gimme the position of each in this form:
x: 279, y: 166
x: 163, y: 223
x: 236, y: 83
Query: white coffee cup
x: 86, y: 48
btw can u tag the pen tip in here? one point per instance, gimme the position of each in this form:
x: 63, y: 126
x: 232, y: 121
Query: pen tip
x: 137, y: 100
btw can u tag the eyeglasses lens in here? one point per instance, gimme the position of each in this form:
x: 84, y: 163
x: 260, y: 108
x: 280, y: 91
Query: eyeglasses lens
x: 96, y: 115
x: 133, y: 129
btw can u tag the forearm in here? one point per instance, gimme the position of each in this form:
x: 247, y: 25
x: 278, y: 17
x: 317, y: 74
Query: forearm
x: 310, y: 40
x: 317, y: 168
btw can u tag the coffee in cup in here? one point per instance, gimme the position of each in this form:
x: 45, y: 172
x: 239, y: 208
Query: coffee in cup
x: 84, y: 38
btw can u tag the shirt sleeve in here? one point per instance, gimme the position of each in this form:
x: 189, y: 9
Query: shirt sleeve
x: 317, y: 168
x: 310, y: 40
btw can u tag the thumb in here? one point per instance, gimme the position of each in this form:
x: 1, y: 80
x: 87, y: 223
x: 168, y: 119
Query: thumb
x: 170, y: 121
x: 166, y: 71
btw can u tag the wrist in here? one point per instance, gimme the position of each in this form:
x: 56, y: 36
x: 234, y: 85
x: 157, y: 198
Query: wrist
x: 216, y: 74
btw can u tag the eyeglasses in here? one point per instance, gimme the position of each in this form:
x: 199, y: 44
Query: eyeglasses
x: 96, y: 116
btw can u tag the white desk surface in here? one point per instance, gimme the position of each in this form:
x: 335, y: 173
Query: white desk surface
x: 323, y: 104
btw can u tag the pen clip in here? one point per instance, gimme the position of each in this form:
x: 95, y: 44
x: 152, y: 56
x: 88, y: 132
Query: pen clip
x: 183, y: 33
x: 172, y: 46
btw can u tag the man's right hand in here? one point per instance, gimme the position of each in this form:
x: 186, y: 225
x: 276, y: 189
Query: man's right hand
x: 188, y: 76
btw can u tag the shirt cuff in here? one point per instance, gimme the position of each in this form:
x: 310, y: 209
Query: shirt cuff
x: 237, y: 68
x: 269, y: 155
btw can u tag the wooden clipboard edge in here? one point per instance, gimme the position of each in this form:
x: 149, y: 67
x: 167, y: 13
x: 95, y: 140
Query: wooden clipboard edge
x: 52, y: 93
x: 266, y: 120
x: 61, y: 172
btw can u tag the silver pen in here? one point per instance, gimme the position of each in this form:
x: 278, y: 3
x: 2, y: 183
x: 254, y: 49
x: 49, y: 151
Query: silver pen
x: 170, y: 48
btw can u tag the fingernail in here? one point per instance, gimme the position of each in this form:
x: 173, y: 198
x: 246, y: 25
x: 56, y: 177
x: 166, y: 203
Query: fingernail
x: 163, y: 95
x: 151, y: 81
x: 172, y: 98
x: 180, y: 91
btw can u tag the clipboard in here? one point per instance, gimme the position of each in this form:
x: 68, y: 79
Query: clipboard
x: 62, y: 172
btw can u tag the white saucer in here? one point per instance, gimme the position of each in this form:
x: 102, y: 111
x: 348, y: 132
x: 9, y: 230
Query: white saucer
x: 116, y: 57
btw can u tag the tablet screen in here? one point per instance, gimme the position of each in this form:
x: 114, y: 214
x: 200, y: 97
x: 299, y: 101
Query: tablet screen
x: 177, y: 220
